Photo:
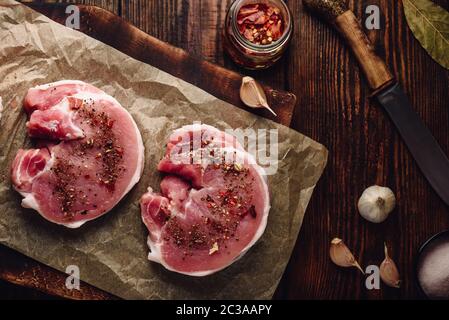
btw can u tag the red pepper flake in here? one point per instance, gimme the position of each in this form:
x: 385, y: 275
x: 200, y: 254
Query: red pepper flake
x: 261, y: 23
x: 119, y: 150
x: 75, y: 104
x: 110, y: 123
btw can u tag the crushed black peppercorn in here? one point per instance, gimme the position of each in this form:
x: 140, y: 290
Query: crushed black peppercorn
x: 102, y: 146
x: 105, y: 142
x: 64, y: 193
x: 226, y: 207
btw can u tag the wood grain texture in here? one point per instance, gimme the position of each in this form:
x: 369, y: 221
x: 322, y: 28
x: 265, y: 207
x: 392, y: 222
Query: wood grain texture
x: 334, y: 108
x: 23, y: 271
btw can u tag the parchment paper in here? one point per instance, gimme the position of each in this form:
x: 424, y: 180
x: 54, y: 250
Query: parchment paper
x: 111, y: 251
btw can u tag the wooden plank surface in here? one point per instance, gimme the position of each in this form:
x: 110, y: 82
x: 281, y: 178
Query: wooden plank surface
x: 334, y: 107
x: 20, y: 270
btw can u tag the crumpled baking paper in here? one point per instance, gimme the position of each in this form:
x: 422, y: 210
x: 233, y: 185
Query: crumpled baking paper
x: 111, y: 252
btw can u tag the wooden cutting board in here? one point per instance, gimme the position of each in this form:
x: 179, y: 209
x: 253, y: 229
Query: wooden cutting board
x: 218, y: 81
x: 116, y: 32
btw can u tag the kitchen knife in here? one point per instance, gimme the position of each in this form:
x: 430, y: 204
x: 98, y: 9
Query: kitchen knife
x: 424, y: 148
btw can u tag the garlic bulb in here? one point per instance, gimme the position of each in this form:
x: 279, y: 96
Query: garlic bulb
x: 389, y: 272
x: 253, y: 95
x: 376, y: 203
x: 341, y: 256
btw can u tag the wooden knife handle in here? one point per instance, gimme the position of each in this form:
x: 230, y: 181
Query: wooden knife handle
x: 337, y: 13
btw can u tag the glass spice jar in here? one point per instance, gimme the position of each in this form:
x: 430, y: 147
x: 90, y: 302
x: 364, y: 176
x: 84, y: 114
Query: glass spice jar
x: 257, y: 52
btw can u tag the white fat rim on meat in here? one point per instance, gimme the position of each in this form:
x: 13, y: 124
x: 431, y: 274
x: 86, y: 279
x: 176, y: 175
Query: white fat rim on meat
x: 47, y: 167
x: 30, y: 202
x: 155, y: 254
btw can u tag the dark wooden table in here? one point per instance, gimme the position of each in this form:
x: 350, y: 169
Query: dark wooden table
x: 334, y: 108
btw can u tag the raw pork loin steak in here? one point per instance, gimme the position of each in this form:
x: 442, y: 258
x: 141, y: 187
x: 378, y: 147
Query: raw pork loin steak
x: 209, y: 212
x: 90, y: 153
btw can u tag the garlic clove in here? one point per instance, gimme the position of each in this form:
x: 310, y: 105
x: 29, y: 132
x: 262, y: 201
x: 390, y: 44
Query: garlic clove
x: 253, y: 95
x: 389, y: 272
x: 376, y: 203
x: 342, y: 256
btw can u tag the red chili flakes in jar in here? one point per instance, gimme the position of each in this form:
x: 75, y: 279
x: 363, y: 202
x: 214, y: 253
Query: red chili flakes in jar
x: 261, y: 24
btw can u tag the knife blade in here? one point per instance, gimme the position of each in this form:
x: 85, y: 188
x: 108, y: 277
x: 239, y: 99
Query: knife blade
x: 429, y: 156
x: 424, y: 148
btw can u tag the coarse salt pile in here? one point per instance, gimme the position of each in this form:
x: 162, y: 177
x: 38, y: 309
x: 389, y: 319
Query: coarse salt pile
x: 433, y: 269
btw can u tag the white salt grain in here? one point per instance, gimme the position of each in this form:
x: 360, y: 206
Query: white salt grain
x: 433, y: 269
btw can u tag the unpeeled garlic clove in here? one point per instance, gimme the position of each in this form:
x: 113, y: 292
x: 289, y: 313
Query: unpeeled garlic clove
x: 253, y: 95
x: 342, y: 256
x: 389, y: 272
x: 376, y: 203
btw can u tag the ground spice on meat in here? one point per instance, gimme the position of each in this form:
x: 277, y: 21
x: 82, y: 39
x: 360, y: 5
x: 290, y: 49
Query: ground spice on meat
x: 110, y: 153
x: 227, y: 208
x: 63, y: 172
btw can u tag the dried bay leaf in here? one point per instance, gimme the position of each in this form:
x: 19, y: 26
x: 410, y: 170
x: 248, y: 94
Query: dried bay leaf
x: 430, y: 25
